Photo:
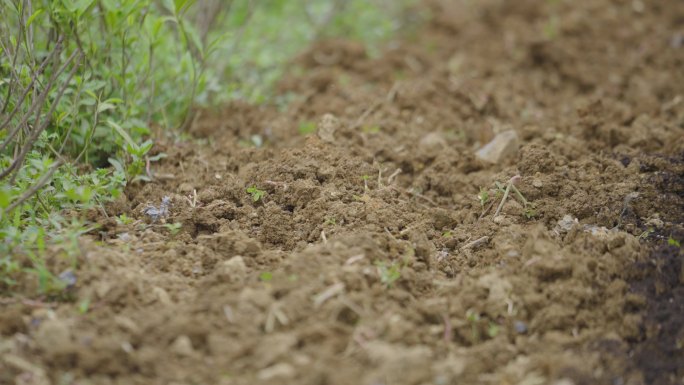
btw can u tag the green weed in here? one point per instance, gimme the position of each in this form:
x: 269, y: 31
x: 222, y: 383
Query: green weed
x: 307, y: 128
x: 483, y: 197
x: 173, y: 228
x: 266, y: 276
x: 256, y: 193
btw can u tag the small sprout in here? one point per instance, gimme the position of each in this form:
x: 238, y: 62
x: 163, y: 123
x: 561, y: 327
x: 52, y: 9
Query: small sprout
x: 370, y: 129
x: 157, y: 213
x: 306, y: 128
x: 529, y: 212
x: 483, y: 196
x: 331, y: 221
x: 365, y: 181
x: 473, y: 318
x: 388, y: 274
x: 256, y: 193
x: 84, y: 306
x: 492, y: 330
x: 173, y: 228
x: 123, y: 219
x: 447, y: 234
x: 673, y: 242
x: 266, y: 276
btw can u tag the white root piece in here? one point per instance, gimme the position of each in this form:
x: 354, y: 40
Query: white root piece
x: 476, y: 243
x: 327, y: 294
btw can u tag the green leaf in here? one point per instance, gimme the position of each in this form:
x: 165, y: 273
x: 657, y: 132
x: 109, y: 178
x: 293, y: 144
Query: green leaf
x: 104, y: 106
x: 33, y: 17
x: 5, y: 196
x: 123, y: 134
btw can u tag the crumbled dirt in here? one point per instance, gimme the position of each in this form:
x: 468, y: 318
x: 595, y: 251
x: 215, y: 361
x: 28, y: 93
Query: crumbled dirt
x: 369, y: 259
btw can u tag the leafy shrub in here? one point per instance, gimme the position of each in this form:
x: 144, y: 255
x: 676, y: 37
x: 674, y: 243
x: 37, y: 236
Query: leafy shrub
x: 82, y: 82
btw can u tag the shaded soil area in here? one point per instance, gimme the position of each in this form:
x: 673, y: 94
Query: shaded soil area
x: 373, y: 254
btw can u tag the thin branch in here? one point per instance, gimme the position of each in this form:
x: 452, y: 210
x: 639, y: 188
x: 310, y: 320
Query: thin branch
x: 40, y: 71
x: 14, y: 58
x: 36, y: 103
x: 38, y: 130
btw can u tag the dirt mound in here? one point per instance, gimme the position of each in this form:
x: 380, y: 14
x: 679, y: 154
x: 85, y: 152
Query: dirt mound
x: 369, y: 252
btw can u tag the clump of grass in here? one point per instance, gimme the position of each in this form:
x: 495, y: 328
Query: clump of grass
x: 173, y: 228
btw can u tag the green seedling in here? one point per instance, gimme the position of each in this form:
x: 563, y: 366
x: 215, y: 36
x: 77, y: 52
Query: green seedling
x: 370, y: 129
x: 173, y: 228
x: 493, y: 330
x: 256, y: 193
x: 483, y: 196
x: 331, y: 221
x: 266, y: 276
x: 473, y: 318
x: 84, y: 306
x: 673, y: 242
x: 123, y: 219
x: 529, y: 212
x: 389, y: 273
x: 447, y: 234
x: 306, y: 128
x: 365, y: 182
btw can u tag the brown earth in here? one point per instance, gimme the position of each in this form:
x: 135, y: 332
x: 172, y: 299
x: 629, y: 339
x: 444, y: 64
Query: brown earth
x: 369, y: 259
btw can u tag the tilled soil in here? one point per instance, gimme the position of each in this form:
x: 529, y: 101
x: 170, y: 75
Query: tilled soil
x: 369, y: 258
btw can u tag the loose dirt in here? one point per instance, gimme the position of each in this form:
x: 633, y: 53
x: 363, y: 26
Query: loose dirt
x: 370, y: 259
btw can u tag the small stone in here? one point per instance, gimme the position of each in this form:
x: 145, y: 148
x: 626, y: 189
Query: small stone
x: 327, y: 127
x: 185, y: 188
x: 655, y: 221
x: 233, y: 270
x: 565, y: 225
x: 513, y: 254
x: 182, y: 346
x: 504, y: 145
x: 68, y: 277
x: 126, y: 324
x: 280, y: 371
x: 520, y: 327
x: 54, y: 338
x: 432, y: 143
x: 537, y: 183
x: 162, y: 295
x: 564, y: 381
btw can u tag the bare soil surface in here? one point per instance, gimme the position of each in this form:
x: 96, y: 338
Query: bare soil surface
x: 370, y: 259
